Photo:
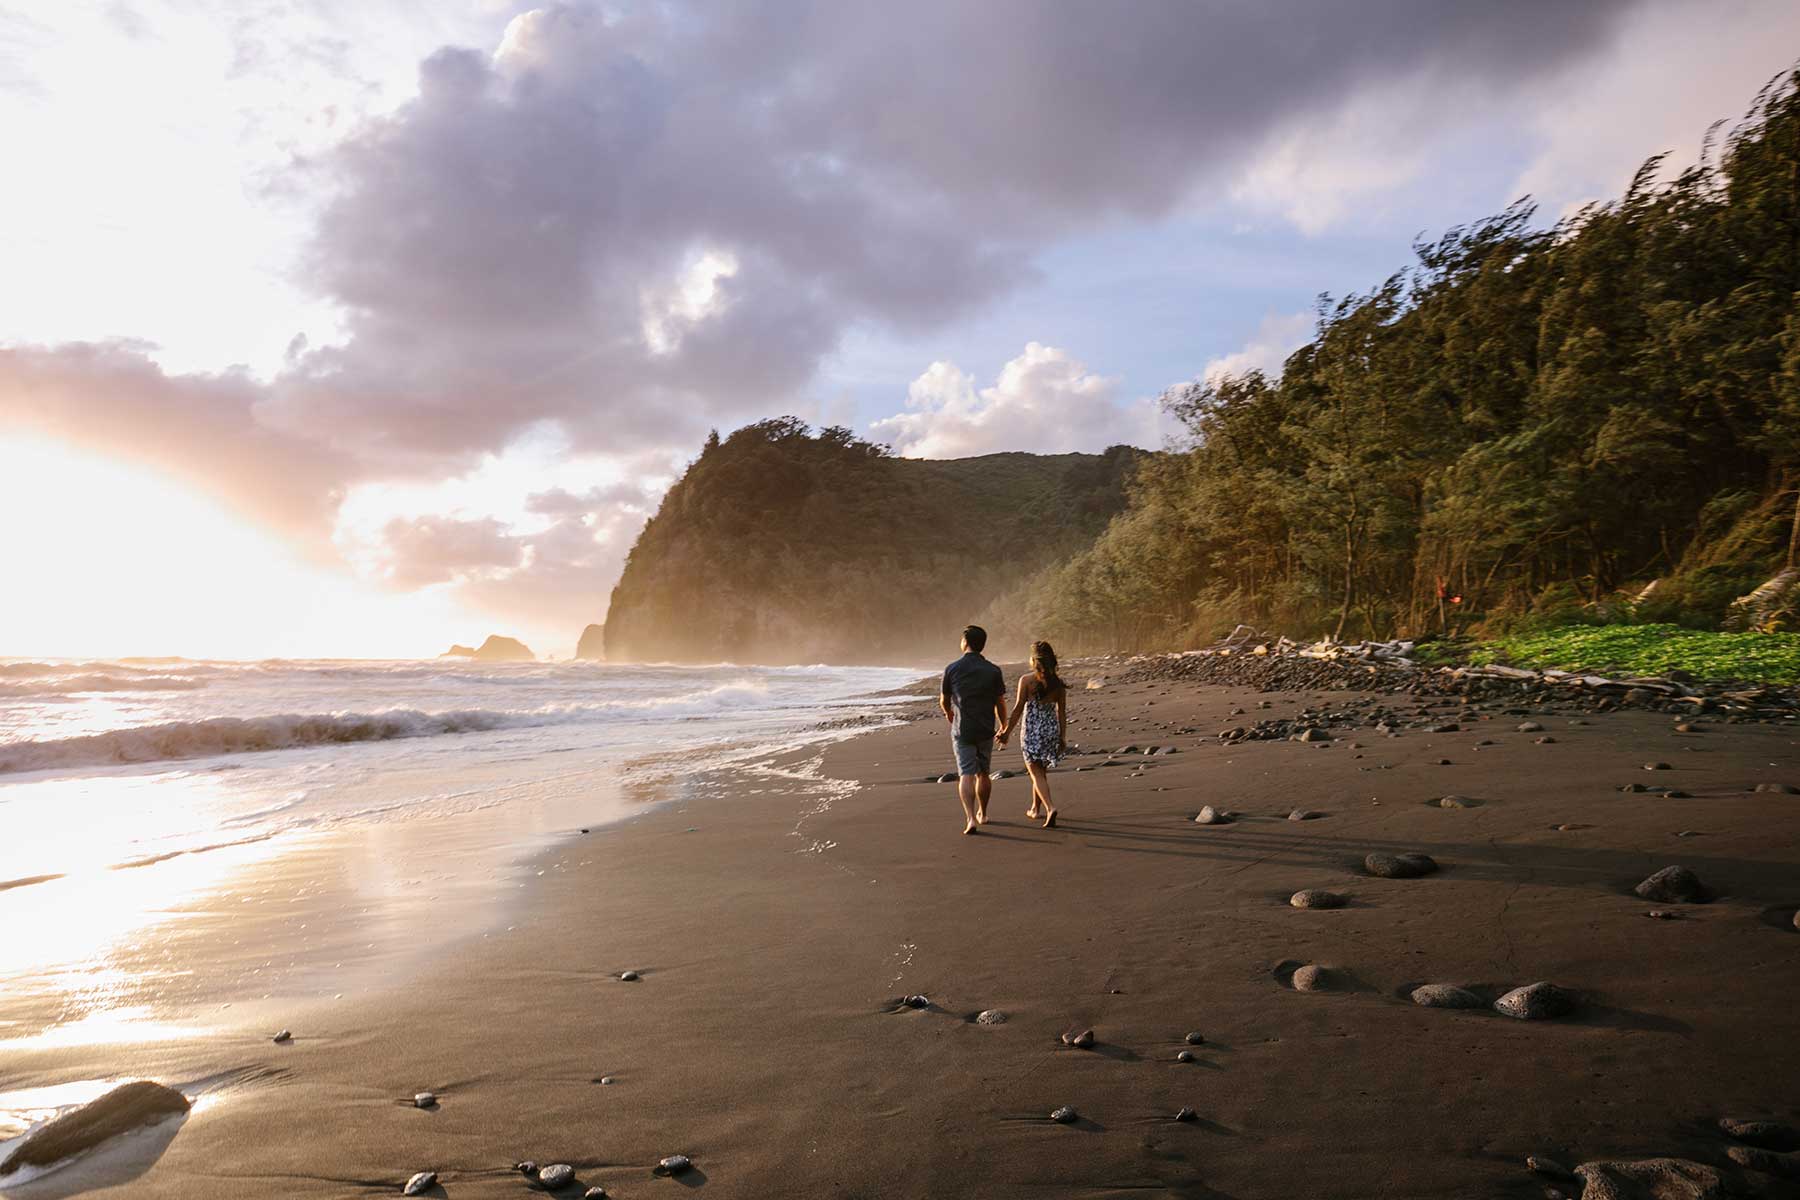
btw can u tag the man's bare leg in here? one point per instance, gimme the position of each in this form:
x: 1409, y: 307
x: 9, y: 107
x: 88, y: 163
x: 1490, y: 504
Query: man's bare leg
x: 1040, y: 786
x: 984, y: 787
x: 965, y: 792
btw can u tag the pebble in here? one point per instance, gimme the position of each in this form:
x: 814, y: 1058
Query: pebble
x: 1633, y: 787
x: 1684, y: 727
x: 1657, y: 766
x: 1309, y: 978
x: 1443, y: 762
x: 1662, y: 914
x: 527, y: 1167
x: 1082, y: 1040
x: 1399, y: 866
x: 1196, y: 1038
x: 594, y: 1193
x: 1187, y: 1114
x: 1446, y: 995
x: 1455, y: 802
x: 1212, y: 816
x: 1769, y: 1135
x: 1546, y: 740
x: 990, y: 1016
x: 1529, y: 727
x: 919, y: 1001
x: 286, y: 1035
x: 1063, y: 1115
x: 1302, y: 814
x: 675, y: 1164
x: 1318, y: 898
x: 557, y: 1175
x: 628, y: 976
x: 419, y: 1184
x: 424, y: 1100
x: 1673, y: 885
x: 1186, y: 1056
x: 1535, y: 1002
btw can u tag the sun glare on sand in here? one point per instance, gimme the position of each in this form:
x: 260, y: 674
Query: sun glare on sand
x: 104, y: 559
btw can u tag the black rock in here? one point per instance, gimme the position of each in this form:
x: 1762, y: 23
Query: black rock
x: 125, y: 1108
x: 419, y: 1184
x: 1535, y: 1002
x: 1674, y: 885
x: 1196, y: 1038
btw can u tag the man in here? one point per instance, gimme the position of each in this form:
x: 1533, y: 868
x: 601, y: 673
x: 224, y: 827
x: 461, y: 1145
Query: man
x: 974, y: 702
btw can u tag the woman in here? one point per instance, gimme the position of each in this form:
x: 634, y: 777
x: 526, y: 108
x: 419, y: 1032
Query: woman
x: 1045, y: 701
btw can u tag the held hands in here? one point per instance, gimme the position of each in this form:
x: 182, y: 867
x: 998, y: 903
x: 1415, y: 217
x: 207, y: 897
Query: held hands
x: 1000, y: 737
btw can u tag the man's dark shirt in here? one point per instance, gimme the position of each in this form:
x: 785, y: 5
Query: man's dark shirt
x: 974, y: 687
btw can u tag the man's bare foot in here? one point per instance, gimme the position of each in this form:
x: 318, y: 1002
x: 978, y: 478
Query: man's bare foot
x: 981, y: 816
x: 1050, y: 819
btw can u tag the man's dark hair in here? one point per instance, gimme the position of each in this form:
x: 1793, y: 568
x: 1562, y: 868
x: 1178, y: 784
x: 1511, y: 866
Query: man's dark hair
x: 976, y: 636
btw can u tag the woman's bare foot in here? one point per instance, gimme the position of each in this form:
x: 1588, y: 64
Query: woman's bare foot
x: 1050, y: 819
x: 970, y: 828
x: 1034, y: 812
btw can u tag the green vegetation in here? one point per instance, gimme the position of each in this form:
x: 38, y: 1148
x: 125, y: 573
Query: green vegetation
x: 1651, y: 650
x: 782, y: 545
x: 1538, y: 421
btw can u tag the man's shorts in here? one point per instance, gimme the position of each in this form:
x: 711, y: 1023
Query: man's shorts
x: 973, y: 758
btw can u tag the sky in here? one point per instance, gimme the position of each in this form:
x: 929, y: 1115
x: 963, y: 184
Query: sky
x: 359, y: 327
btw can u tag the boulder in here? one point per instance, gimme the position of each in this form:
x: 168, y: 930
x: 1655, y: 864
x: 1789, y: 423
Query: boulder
x: 1212, y: 816
x: 1535, y: 1002
x: 1674, y: 885
x: 1318, y: 898
x: 1652, y: 1179
x: 1445, y: 995
x: 125, y: 1108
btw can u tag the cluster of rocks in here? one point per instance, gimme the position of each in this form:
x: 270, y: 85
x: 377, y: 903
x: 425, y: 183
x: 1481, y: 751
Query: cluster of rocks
x: 1272, y: 665
x: 1760, y: 1147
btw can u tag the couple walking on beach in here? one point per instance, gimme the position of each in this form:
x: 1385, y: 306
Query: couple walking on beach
x: 974, y: 702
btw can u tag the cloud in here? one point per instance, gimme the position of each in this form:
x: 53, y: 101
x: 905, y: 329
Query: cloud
x: 1276, y: 337
x: 424, y: 551
x: 1044, y: 400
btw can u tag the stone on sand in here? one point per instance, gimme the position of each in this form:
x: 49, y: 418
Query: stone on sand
x: 424, y: 1100
x: 1446, y: 995
x: 1768, y: 1135
x: 1780, y: 789
x: 990, y: 1016
x: 1674, y: 885
x: 1652, y: 1179
x: 594, y: 1193
x: 1535, y: 1002
x: 1081, y: 1040
x: 419, y: 1184
x: 1303, y: 814
x: 1318, y: 898
x: 1187, y: 1114
x: 675, y: 1164
x: 125, y: 1108
x: 286, y: 1035
x: 1310, y: 978
x: 1657, y: 766
x: 1212, y: 816
x: 1195, y: 1038
x: 1063, y: 1115
x: 556, y: 1175
x: 1455, y: 802
x: 1399, y: 866
x: 1529, y: 727
x: 1186, y: 1056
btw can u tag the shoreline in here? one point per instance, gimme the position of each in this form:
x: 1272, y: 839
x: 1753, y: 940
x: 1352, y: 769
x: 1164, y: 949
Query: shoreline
x: 775, y: 926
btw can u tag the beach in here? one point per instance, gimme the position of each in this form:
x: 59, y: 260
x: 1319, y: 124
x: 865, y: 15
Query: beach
x: 779, y: 912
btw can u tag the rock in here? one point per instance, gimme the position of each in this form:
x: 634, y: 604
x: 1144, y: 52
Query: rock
x: 594, y: 1193
x: 592, y: 645
x: 918, y: 1001
x: 628, y: 977
x: 495, y: 649
x: 1652, y: 1179
x: 1318, y: 898
x: 1170, y: 750
x: 607, y: 1081
x: 1442, y: 762
x: 1003, y: 774
x: 1399, y: 866
x: 1064, y: 1115
x: 1784, y: 1166
x: 1122, y: 751
x: 1082, y: 1040
x: 1662, y: 914
x: 1769, y: 1135
x: 1312, y: 734
x: 528, y: 1168
x: 419, y: 1184
x: 1187, y: 1114
x: 1186, y: 1056
x: 1195, y: 1038
x: 1540, y: 1165
x: 1535, y: 1002
x: 424, y: 1100
x: 1546, y: 740
x: 125, y: 1108
x: 946, y: 778
x: 1684, y: 727
x: 1212, y: 816
x: 1529, y: 727
x: 1445, y: 995
x: 1657, y: 766
x: 1780, y: 789
x: 556, y: 1175
x: 1310, y: 978
x: 1674, y: 885
x: 1455, y: 802
x: 286, y: 1035
x: 1302, y: 814
x: 990, y: 1016
x: 675, y: 1164
x: 1632, y: 787
x: 458, y: 651
x: 1449, y: 727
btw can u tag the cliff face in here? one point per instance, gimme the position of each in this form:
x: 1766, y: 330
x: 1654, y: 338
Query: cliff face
x: 779, y: 545
x: 592, y: 644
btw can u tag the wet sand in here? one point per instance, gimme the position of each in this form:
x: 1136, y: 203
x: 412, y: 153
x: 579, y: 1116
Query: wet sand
x: 776, y: 930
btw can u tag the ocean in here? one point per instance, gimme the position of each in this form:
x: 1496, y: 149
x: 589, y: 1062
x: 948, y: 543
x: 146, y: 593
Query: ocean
x: 143, y: 797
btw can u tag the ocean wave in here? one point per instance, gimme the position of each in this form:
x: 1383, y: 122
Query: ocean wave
x: 69, y: 685
x: 175, y: 740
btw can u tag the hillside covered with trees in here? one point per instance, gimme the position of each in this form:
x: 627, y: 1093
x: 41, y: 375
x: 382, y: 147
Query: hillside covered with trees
x: 1595, y: 420
x: 779, y: 544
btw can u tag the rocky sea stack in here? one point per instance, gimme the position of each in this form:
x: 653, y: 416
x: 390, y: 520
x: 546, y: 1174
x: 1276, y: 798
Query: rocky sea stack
x: 495, y: 649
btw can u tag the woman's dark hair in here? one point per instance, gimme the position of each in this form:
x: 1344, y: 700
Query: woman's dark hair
x: 1043, y: 663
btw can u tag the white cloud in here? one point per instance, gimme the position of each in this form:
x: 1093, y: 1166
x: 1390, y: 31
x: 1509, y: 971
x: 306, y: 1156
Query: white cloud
x: 1045, y: 400
x: 1275, y: 338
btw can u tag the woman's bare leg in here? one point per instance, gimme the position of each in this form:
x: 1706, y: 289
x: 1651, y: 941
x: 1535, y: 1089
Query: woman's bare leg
x: 1036, y: 810
x: 1040, y: 788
